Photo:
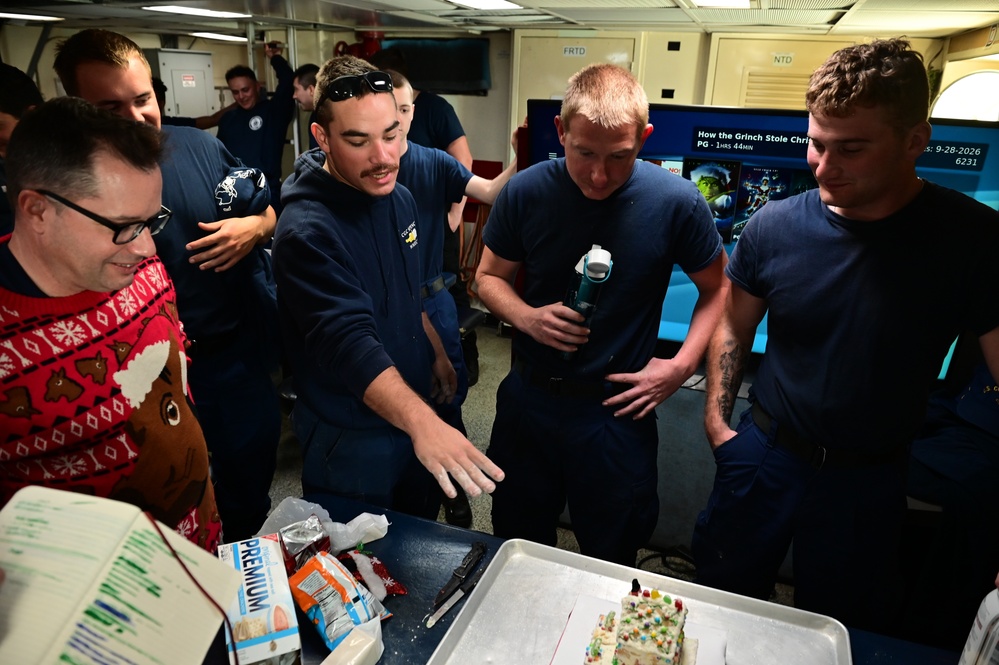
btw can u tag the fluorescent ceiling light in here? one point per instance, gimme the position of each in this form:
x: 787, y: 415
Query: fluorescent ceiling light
x: 723, y: 4
x: 218, y: 36
x: 193, y: 11
x: 486, y: 4
x: 29, y: 17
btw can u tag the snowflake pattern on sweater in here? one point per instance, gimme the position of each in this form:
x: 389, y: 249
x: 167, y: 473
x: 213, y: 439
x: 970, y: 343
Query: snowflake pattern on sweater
x: 94, y: 399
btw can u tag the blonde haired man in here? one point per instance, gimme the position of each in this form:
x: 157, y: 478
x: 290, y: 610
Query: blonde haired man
x: 583, y: 430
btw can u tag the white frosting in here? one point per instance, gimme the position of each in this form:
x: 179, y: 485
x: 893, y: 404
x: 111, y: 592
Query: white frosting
x: 648, y: 631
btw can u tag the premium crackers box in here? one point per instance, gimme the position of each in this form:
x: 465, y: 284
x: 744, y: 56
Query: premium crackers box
x: 264, y: 626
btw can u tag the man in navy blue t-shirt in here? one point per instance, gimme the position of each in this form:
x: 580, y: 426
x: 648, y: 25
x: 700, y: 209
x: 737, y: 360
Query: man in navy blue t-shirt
x: 867, y: 280
x: 582, y: 430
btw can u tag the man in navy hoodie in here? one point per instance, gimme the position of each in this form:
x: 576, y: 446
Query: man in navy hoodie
x: 364, y: 355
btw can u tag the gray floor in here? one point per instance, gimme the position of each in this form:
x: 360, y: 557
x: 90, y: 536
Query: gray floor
x: 478, y: 412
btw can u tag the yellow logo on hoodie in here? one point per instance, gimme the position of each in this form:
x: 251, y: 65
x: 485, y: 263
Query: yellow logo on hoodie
x: 409, y: 235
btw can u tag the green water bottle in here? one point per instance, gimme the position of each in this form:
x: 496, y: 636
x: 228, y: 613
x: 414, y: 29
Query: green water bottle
x: 592, y: 270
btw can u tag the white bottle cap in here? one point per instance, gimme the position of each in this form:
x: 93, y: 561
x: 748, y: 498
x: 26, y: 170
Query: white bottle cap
x: 598, y: 262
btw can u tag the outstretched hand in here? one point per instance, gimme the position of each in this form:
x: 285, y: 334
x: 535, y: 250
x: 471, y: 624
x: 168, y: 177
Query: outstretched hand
x: 443, y: 450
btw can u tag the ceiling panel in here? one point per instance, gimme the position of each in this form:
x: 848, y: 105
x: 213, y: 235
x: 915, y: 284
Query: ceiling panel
x: 651, y: 17
x: 914, y: 18
x: 599, y: 4
x: 774, y: 17
x: 924, y: 24
x: 948, y: 6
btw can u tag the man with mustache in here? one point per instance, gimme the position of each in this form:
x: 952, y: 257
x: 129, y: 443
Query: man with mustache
x: 364, y: 356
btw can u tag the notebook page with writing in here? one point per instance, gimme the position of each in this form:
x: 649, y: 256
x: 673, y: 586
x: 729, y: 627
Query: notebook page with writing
x: 53, y: 545
x: 90, y: 580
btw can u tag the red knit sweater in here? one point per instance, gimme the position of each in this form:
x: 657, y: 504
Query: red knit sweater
x: 94, y: 399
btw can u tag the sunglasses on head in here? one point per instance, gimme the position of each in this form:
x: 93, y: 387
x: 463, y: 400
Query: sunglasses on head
x: 345, y: 87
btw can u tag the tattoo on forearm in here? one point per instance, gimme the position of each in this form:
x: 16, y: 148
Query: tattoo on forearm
x: 731, y: 364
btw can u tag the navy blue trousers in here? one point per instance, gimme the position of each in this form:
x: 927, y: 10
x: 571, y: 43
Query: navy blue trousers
x: 376, y: 466
x: 558, y: 449
x: 239, y: 412
x: 443, y: 315
x: 954, y: 465
x: 845, y: 525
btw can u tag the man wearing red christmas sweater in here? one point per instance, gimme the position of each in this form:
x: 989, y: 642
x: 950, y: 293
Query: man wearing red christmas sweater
x: 93, y: 374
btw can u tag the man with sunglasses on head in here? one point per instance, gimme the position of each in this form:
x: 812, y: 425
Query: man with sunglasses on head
x: 221, y: 273
x: 93, y: 397
x: 364, y: 354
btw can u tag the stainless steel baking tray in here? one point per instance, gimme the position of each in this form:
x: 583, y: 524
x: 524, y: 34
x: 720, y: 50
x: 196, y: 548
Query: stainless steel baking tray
x: 519, y: 609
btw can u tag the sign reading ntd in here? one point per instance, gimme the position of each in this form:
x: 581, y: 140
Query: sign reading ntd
x: 782, y: 59
x: 772, y: 142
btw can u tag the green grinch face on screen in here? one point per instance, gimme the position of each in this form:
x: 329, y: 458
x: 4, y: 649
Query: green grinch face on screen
x: 710, y: 187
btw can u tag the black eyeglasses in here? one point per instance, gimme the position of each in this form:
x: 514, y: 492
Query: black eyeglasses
x: 123, y: 233
x: 345, y: 87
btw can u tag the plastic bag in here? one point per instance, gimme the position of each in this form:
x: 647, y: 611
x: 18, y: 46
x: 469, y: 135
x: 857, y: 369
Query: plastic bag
x: 364, y: 528
x: 362, y: 646
x: 292, y: 510
x: 301, y: 541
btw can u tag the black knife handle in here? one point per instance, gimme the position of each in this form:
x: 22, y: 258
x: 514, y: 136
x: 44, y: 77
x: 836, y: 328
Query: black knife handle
x: 467, y: 586
x: 472, y: 558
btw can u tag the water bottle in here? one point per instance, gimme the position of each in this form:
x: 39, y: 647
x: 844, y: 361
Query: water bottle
x: 591, y: 272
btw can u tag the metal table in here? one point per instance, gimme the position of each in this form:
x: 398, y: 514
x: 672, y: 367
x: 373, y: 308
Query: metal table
x: 422, y: 554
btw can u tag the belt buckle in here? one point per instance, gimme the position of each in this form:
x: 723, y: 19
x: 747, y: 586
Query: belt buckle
x: 819, y: 451
x: 555, y: 385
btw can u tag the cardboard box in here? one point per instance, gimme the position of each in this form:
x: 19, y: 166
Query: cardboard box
x: 263, y: 613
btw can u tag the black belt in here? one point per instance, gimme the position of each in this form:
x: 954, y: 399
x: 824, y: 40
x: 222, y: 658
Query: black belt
x: 558, y: 386
x: 432, y: 288
x: 819, y: 456
x: 209, y: 346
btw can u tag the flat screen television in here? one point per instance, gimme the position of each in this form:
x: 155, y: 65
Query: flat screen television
x: 741, y: 158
